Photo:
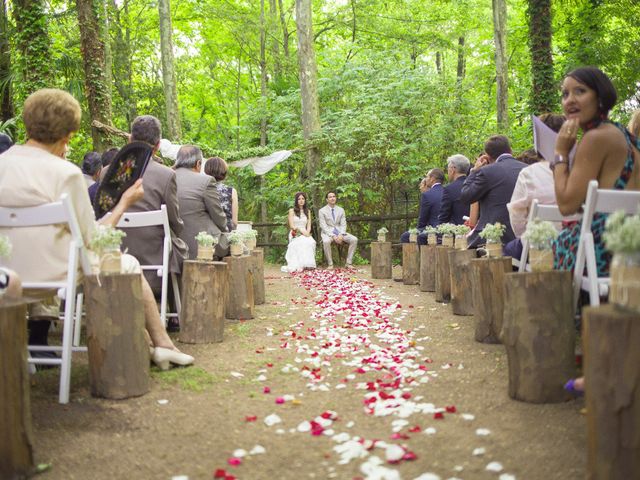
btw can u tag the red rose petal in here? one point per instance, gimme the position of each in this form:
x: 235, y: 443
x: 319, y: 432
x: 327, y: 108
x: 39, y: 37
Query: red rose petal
x: 266, y: 390
x: 409, y: 456
x: 219, y: 473
x: 250, y: 418
x: 234, y: 461
x: 451, y: 409
x: 438, y: 416
x: 415, y: 429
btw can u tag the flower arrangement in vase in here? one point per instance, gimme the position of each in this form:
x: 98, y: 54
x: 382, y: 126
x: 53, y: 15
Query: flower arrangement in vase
x: 236, y: 243
x: 206, y: 244
x: 413, y: 235
x: 447, y: 230
x: 492, y: 233
x: 540, y: 235
x: 622, y: 237
x: 432, y: 237
x: 382, y: 234
x: 461, y: 232
x: 250, y: 238
x: 105, y: 242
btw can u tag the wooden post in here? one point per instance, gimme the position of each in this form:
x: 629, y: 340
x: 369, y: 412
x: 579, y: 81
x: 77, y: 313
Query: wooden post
x: 381, y: 260
x: 258, y: 276
x: 428, y: 268
x: 204, y: 287
x: 410, y: 263
x: 461, y: 281
x: 612, y: 380
x: 16, y: 434
x: 488, y: 278
x: 239, y: 303
x: 116, y: 341
x: 539, y: 333
x: 443, y: 275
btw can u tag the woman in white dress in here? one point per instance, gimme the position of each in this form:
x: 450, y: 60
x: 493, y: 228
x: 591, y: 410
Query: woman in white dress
x: 301, y: 252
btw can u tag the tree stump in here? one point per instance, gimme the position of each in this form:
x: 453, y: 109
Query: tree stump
x: 443, y: 275
x: 204, y: 287
x: 612, y: 379
x: 239, y: 303
x: 116, y: 341
x: 16, y: 434
x: 538, y: 332
x: 258, y: 276
x: 380, y: 259
x: 461, y: 281
x: 488, y: 278
x: 410, y: 263
x: 428, y: 268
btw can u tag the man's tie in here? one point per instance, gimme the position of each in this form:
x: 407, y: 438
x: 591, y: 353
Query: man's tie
x: 333, y: 215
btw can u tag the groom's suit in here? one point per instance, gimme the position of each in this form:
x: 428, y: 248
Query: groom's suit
x: 333, y: 222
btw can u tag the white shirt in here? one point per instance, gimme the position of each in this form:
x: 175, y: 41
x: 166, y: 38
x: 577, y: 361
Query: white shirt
x: 534, y: 181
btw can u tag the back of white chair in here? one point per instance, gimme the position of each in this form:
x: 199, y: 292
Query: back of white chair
x: 148, y: 219
x: 56, y: 213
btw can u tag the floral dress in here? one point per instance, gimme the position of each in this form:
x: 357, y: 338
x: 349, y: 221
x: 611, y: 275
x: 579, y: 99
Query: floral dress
x: 224, y: 192
x: 565, y: 247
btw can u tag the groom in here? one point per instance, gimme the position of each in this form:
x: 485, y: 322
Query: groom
x: 333, y: 226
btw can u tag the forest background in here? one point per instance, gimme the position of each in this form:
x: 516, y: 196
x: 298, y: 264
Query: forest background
x: 369, y: 94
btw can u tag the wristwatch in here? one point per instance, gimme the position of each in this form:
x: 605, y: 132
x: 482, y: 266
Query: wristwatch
x: 557, y: 160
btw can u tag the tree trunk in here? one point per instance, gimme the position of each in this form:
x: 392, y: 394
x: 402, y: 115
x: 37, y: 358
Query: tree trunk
x: 6, y: 102
x: 428, y: 268
x: 168, y: 72
x: 443, y: 274
x: 543, y: 91
x: 239, y: 300
x: 381, y: 260
x: 275, y: 44
x: 488, y: 296
x: 461, y: 281
x: 258, y: 276
x: 32, y: 40
x: 263, y: 76
x: 123, y: 78
x: 410, y: 264
x: 106, y: 41
x: 285, y: 31
x: 612, y: 379
x: 95, y: 80
x: 500, y: 40
x: 460, y: 71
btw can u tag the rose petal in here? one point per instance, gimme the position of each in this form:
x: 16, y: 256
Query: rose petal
x: 234, y: 461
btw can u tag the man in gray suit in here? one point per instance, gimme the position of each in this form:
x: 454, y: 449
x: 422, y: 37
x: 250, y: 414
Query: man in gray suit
x: 159, y: 183
x: 491, y: 182
x: 333, y: 228
x: 199, y: 203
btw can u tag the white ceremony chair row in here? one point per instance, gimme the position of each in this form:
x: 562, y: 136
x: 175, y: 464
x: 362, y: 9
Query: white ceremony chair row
x: 56, y: 213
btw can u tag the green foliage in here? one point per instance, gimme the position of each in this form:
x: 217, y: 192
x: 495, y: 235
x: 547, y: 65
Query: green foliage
x: 622, y: 233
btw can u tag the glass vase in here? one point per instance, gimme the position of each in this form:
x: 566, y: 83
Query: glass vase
x: 624, y: 291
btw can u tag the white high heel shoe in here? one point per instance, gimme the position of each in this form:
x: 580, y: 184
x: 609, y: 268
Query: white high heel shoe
x: 163, y: 357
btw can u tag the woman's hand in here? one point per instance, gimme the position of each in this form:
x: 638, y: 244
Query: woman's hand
x: 567, y: 136
x: 132, y: 194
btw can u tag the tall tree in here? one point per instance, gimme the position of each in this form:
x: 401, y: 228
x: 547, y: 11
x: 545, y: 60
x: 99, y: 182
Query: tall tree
x: 275, y: 44
x: 123, y: 78
x: 543, y: 91
x: 6, y: 103
x: 95, y: 80
x: 168, y: 71
x: 308, y: 86
x: 461, y: 59
x: 285, y: 31
x: 500, y: 40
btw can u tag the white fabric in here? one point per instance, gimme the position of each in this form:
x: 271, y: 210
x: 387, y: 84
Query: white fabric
x: 169, y: 150
x: 262, y: 165
x: 301, y: 252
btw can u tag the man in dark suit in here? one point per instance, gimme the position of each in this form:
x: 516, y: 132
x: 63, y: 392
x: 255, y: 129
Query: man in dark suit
x: 452, y: 210
x: 491, y: 182
x: 429, y: 205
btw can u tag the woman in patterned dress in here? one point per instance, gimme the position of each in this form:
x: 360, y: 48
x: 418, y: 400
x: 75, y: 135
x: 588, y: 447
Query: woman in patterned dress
x: 217, y: 168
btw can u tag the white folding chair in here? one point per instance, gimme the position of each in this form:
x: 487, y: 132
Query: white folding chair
x: 598, y: 201
x: 56, y: 213
x: 148, y: 219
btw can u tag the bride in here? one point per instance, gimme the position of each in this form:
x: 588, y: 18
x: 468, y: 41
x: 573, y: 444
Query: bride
x: 301, y: 252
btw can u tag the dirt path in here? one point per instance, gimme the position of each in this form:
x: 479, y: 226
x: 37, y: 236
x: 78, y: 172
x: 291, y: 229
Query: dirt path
x: 382, y: 371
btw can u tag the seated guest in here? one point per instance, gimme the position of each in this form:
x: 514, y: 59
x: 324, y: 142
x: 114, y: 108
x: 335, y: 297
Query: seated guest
x: 429, y: 205
x: 491, y: 184
x: 36, y: 173
x: 5, y: 142
x: 217, y: 168
x: 634, y: 124
x: 10, y: 284
x: 146, y: 244
x: 199, y: 202
x: 333, y: 229
x: 452, y: 210
x: 105, y: 160
x: 424, y: 185
x: 91, y: 166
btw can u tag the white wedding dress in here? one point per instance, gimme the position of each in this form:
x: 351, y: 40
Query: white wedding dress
x: 301, y: 252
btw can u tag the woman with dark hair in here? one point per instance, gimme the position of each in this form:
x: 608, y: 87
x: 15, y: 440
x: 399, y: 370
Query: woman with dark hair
x: 217, y: 168
x: 301, y: 252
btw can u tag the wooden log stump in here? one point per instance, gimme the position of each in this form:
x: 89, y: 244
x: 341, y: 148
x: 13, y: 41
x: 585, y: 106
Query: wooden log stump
x: 539, y: 333
x: 16, y: 434
x: 239, y: 303
x: 116, y: 341
x: 258, y: 276
x: 428, y: 268
x: 443, y: 274
x: 488, y: 303
x: 461, y: 281
x: 612, y: 380
x: 204, y: 287
x: 381, y: 260
x: 410, y: 264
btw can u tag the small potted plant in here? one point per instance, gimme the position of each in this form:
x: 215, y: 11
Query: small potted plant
x: 105, y: 242
x: 236, y: 243
x: 206, y: 243
x: 541, y: 235
x: 250, y: 238
x: 447, y: 231
x: 382, y: 234
x: 622, y: 237
x: 492, y: 233
x: 432, y: 237
x: 461, y: 232
x: 413, y: 235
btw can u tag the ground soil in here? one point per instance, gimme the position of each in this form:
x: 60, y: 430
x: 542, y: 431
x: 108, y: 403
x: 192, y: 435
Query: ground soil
x: 194, y: 418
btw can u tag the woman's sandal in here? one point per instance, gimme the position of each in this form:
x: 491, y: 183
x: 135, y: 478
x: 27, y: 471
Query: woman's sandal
x: 570, y: 387
x: 163, y: 357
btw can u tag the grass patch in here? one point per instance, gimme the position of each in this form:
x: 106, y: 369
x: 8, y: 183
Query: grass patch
x: 242, y: 329
x: 194, y: 379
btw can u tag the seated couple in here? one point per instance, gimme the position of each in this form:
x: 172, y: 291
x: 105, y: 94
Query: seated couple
x: 301, y: 251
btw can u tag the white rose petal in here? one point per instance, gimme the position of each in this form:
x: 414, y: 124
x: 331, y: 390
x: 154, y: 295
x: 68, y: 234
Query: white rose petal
x: 428, y: 476
x: 163, y: 401
x: 479, y: 451
x: 507, y: 476
x: 430, y: 431
x: 494, y: 467
x: 236, y: 374
x: 468, y: 416
x: 258, y: 450
x: 393, y: 453
x: 239, y: 453
x: 483, y: 432
x: 272, y: 419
